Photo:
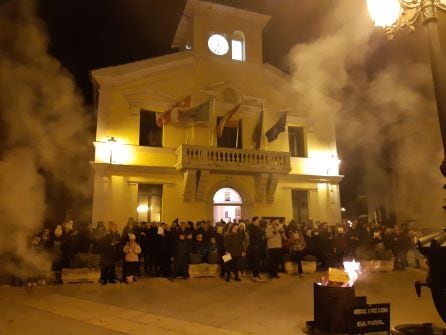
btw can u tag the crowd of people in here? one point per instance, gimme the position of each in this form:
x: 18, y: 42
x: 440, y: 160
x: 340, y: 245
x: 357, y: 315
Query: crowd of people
x: 251, y: 246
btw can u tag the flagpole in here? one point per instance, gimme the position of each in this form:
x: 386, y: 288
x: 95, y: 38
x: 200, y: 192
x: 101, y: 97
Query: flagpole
x: 236, y: 137
x: 211, y: 122
x: 261, y: 127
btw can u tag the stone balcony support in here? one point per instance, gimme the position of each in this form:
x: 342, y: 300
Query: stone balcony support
x: 197, y: 162
x: 190, y: 184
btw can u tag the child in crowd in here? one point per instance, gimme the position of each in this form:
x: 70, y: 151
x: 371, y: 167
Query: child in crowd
x: 131, y: 251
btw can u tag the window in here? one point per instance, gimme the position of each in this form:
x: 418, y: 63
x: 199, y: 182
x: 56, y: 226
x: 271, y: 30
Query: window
x: 150, y: 134
x: 297, y: 141
x: 232, y: 135
x: 299, y: 200
x: 238, y: 46
x: 149, y: 202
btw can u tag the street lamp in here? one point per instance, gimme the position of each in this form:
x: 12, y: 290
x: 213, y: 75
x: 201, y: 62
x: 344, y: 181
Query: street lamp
x: 395, y: 15
x: 111, y: 144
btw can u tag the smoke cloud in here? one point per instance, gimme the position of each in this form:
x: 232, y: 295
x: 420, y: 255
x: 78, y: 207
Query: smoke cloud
x: 45, y: 133
x: 386, y: 115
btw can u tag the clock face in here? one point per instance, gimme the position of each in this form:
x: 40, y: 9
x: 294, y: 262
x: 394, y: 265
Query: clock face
x: 218, y: 44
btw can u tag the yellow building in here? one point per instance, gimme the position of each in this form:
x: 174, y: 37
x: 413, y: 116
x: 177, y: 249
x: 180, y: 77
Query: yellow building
x: 186, y: 168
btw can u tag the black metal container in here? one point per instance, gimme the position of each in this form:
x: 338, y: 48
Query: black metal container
x: 331, y: 304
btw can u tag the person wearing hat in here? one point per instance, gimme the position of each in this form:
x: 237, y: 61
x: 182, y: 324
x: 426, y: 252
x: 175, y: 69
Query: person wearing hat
x: 131, y: 251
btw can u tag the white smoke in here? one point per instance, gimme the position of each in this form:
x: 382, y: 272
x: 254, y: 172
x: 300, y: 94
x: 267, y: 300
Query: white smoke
x: 45, y: 129
x: 390, y: 109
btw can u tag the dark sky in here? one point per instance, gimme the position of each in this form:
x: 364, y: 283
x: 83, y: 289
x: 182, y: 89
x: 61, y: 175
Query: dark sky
x: 89, y: 34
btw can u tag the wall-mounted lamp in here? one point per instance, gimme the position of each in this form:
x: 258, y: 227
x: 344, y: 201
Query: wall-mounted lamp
x: 111, y: 143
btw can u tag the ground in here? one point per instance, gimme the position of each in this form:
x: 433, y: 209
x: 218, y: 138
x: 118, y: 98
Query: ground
x: 196, y: 306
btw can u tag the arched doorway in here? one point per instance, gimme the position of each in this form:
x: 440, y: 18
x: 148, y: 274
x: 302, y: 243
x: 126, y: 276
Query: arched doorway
x: 227, y: 205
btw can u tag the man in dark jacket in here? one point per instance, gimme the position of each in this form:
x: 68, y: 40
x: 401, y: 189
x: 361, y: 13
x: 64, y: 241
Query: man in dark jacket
x: 255, y: 246
x: 233, y: 245
x: 108, y: 246
x: 181, y: 256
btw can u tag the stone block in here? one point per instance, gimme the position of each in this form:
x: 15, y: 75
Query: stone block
x: 82, y: 275
x: 309, y: 267
x: 204, y: 270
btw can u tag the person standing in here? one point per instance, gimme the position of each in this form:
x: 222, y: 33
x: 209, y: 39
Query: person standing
x: 131, y: 251
x: 273, y: 233
x: 233, y: 245
x: 181, y: 256
x: 255, y: 246
x: 297, y: 246
x: 152, y: 266
x: 108, y: 250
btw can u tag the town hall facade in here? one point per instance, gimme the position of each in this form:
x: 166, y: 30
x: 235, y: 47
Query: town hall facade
x: 210, y: 132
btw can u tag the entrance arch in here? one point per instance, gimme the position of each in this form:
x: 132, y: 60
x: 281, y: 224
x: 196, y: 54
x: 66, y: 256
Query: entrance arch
x: 227, y: 205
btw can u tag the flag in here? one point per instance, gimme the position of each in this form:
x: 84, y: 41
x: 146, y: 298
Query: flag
x: 257, y: 134
x: 275, y: 130
x: 172, y: 113
x: 197, y: 113
x: 225, y: 119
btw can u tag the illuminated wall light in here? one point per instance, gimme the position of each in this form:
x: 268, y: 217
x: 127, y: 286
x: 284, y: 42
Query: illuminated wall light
x: 322, y: 163
x: 142, y: 208
x: 110, y: 150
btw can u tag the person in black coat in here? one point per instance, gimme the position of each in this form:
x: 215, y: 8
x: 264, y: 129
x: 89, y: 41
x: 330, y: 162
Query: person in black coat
x: 233, y: 245
x: 142, y: 239
x: 108, y: 247
x: 163, y: 242
x: 181, y: 252
x: 151, y: 246
x: 255, y: 247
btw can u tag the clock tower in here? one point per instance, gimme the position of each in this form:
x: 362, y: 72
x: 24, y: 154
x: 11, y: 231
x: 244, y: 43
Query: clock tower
x: 213, y: 30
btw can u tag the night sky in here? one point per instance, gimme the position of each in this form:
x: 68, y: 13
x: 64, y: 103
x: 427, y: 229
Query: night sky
x: 90, y: 34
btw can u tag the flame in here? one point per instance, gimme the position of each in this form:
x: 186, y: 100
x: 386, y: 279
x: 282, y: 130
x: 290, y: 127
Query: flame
x: 353, y: 270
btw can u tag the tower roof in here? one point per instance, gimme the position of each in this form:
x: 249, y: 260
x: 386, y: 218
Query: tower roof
x: 194, y: 6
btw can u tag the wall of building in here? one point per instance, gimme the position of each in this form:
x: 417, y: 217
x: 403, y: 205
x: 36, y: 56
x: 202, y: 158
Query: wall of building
x: 196, y: 73
x: 116, y: 198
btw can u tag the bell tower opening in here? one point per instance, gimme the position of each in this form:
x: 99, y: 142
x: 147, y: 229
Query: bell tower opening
x: 227, y: 205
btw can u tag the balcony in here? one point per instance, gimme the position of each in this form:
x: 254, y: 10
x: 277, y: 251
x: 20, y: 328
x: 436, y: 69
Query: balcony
x: 228, y: 159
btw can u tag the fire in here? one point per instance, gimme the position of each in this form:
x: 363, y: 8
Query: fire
x: 353, y: 270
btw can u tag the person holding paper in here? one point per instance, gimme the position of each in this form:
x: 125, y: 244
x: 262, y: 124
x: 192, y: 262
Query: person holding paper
x: 233, y: 246
x: 273, y: 233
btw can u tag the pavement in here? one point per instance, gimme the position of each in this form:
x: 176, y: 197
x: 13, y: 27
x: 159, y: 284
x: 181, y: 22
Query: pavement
x: 196, y: 306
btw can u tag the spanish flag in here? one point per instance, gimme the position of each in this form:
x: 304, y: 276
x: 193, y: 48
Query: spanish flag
x: 224, y: 120
x: 171, y: 114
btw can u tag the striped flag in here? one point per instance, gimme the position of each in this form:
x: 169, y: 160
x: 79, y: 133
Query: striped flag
x: 171, y: 115
x: 197, y: 113
x: 224, y: 120
x: 257, y: 134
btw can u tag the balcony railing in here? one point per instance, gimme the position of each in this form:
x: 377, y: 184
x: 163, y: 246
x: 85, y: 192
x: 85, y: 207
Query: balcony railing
x: 227, y: 159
